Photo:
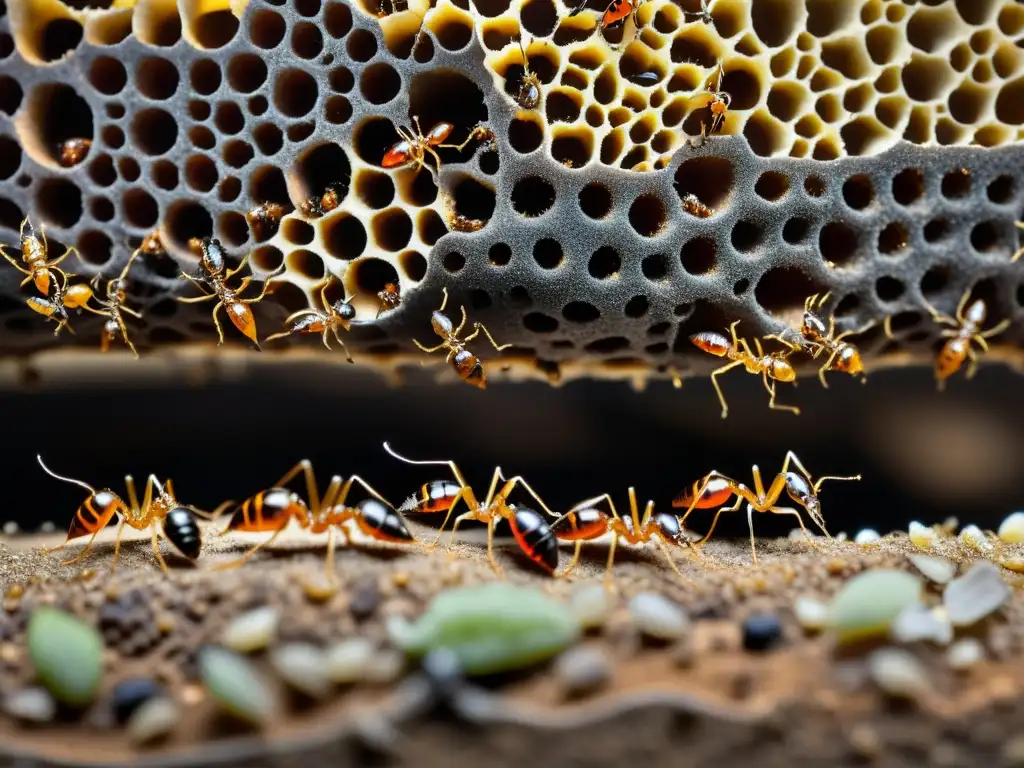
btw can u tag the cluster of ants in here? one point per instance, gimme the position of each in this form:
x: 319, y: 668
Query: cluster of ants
x: 537, y: 534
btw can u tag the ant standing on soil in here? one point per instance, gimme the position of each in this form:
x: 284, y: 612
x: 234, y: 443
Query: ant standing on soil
x: 176, y: 521
x: 966, y: 329
x: 773, y: 366
x: 716, y: 488
x: 466, y: 364
x: 816, y: 337
x: 340, y: 314
x: 531, y: 530
x: 213, y: 273
x: 34, y: 253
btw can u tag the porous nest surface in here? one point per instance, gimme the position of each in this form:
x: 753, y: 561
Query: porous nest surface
x: 806, y: 698
x: 606, y: 237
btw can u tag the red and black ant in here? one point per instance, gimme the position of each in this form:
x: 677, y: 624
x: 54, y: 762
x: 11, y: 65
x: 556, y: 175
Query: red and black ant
x: 415, y: 148
x: 34, y: 254
x: 773, y: 367
x: 716, y: 488
x: 616, y: 13
x: 213, y: 272
x: 531, y: 531
x: 466, y: 364
x: 340, y: 314
x: 586, y: 522
x: 270, y: 510
x: 965, y: 331
x: 160, y: 514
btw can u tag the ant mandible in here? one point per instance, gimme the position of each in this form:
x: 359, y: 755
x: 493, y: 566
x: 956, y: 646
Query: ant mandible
x: 340, y: 314
x: 213, y: 272
x: 716, y: 488
x: 816, y: 337
x: 273, y: 508
x: 531, y: 531
x: 466, y: 364
x: 774, y: 366
x: 113, y: 306
x: 965, y: 331
x: 177, y: 521
x: 415, y: 148
x: 34, y: 253
x: 586, y: 522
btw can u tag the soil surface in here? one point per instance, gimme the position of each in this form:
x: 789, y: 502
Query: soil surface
x: 697, y: 699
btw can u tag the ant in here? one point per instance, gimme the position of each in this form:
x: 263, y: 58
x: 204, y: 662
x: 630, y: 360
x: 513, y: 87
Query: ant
x: 531, y: 531
x: 73, y: 151
x: 586, y: 522
x: 177, y: 522
x: 616, y: 13
x: 271, y: 509
x: 64, y: 298
x: 213, y: 272
x: 320, y: 205
x: 264, y: 219
x: 718, y: 106
x: 466, y: 364
x: 151, y: 244
x: 340, y: 314
x: 966, y: 329
x: 414, y: 149
x: 716, y: 488
x: 773, y: 366
x: 693, y: 206
x: 113, y: 306
x: 816, y: 338
x: 528, y: 96
x: 34, y: 251
x: 390, y: 297
x: 459, y: 223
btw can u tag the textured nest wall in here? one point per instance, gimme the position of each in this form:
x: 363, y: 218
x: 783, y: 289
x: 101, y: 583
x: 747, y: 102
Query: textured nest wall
x: 872, y: 149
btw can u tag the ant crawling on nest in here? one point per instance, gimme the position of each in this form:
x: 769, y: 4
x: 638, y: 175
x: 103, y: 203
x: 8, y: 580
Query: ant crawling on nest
x: 112, y: 307
x: 616, y: 13
x: 965, y: 331
x: 265, y: 218
x: 390, y: 298
x: 774, y: 366
x: 530, y: 529
x: 586, y: 522
x: 320, y: 205
x: 529, y: 93
x: 272, y: 509
x: 340, y: 314
x: 73, y: 151
x: 34, y: 254
x: 715, y: 488
x: 55, y: 307
x: 414, y: 148
x: 213, y: 273
x: 466, y: 364
x: 718, y: 106
x: 703, y: 15
x: 162, y: 514
x: 816, y: 337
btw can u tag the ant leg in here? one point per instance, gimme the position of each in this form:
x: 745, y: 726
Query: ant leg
x: 972, y: 365
x: 455, y: 527
x: 124, y: 335
x: 750, y: 525
x: 575, y: 560
x: 794, y: 513
x: 343, y: 494
x: 266, y: 286
x: 156, y: 551
x: 714, y: 521
x: 608, y: 583
x: 216, y: 322
x: 671, y: 562
x: 491, y: 520
x: 196, y: 299
x: 81, y: 555
x: 827, y: 366
x: 461, y: 324
x: 447, y: 517
x: 499, y: 347
x: 16, y: 265
x: 718, y: 389
x: 771, y: 400
x: 444, y: 300
x: 337, y: 336
x: 434, y: 154
x: 939, y: 317
x: 995, y: 330
x: 239, y: 268
x: 117, y: 544
x: 518, y: 480
x: 429, y: 350
x: 961, y: 305
x: 235, y: 563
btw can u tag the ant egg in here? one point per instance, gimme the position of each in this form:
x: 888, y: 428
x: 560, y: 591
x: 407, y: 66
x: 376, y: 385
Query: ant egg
x: 1015, y: 564
x: 1012, y: 529
x: 867, y: 538
x: 972, y: 536
x: 921, y: 535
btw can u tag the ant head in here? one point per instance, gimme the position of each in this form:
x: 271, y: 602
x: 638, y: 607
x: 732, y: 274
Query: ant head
x: 668, y: 526
x: 813, y: 326
x: 344, y: 310
x: 801, y: 491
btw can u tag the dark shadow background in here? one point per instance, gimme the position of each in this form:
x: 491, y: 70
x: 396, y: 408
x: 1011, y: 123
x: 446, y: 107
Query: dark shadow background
x: 924, y: 455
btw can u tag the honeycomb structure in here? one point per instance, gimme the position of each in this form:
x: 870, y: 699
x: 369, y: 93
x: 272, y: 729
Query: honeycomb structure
x: 871, y: 149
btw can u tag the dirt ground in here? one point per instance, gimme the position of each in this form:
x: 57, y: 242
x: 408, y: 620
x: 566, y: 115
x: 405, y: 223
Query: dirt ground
x: 698, y: 700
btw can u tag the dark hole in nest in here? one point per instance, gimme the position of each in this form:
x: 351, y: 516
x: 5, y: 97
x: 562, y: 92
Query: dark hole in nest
x: 604, y: 263
x: 532, y: 196
x: 785, y: 288
x: 321, y: 167
x: 473, y: 200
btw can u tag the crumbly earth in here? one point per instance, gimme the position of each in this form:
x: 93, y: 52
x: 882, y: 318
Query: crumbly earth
x: 805, y: 702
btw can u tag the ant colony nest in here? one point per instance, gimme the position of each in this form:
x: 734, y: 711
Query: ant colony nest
x: 869, y: 149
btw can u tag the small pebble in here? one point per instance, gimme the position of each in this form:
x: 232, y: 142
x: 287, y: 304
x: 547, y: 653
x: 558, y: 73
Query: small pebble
x: 812, y: 614
x: 67, y: 655
x: 252, y: 631
x: 365, y: 600
x: 130, y: 693
x: 922, y: 536
x: 236, y: 685
x: 32, y: 705
x: 976, y: 594
x: 591, y: 604
x: 898, y: 673
x: 761, y: 631
x: 303, y: 667
x: 153, y: 720
x: 964, y: 654
x: 869, y: 602
x: 658, y: 617
x: 582, y: 670
x: 937, y: 569
x: 318, y: 588
x: 867, y: 537
x: 384, y: 666
x: 10, y: 528
x: 1012, y: 529
x: 972, y: 536
x: 916, y: 623
x: 346, y: 661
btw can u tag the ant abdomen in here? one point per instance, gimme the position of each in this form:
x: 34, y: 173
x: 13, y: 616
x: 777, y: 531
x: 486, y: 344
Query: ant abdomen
x: 380, y: 522
x: 716, y: 492
x: 581, y: 525
x: 711, y: 342
x: 668, y: 526
x: 469, y: 368
x: 781, y: 370
x: 181, y: 528
x: 535, y: 538
x: 976, y: 313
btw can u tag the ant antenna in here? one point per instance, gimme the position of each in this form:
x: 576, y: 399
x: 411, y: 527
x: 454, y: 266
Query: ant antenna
x: 526, y: 60
x: 51, y: 473
x: 438, y: 462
